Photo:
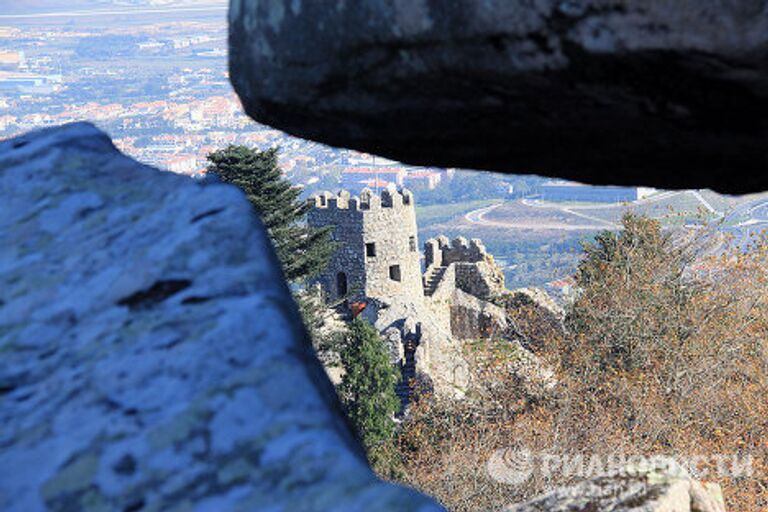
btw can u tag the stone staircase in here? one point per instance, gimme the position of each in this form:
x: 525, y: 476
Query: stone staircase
x: 432, y: 279
x: 404, y: 388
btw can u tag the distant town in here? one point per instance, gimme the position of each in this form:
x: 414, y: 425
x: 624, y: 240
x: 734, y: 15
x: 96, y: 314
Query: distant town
x: 159, y: 87
x: 161, y: 90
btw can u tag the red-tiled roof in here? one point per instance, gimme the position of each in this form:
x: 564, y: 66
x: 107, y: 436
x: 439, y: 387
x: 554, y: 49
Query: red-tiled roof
x: 373, y: 170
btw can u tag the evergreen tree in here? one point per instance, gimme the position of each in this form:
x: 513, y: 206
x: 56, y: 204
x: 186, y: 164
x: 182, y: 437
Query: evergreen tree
x: 634, y: 296
x: 641, y: 239
x: 303, y: 251
x: 367, y: 389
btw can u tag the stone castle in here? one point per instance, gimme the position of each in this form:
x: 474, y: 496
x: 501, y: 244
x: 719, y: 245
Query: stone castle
x: 422, y: 314
x: 377, y: 254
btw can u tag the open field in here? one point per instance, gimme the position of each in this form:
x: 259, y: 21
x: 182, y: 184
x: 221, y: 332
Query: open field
x: 532, y: 215
x: 672, y: 208
x: 438, y: 213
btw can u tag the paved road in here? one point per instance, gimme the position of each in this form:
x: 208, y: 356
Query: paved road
x: 647, y: 200
x: 478, y: 217
x: 605, y: 223
x: 706, y: 203
x: 756, y: 213
x: 593, y: 223
x: 749, y: 220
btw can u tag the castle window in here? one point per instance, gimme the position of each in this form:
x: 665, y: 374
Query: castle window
x: 341, y: 284
x: 370, y: 249
x: 412, y: 243
x: 394, y: 273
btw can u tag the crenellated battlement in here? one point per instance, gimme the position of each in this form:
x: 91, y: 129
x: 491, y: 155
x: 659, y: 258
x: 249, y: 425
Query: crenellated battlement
x: 460, y: 264
x: 473, y: 248
x: 442, y: 252
x: 377, y: 243
x: 390, y: 198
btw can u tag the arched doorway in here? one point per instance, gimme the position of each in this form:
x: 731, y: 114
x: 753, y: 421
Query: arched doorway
x: 341, y: 284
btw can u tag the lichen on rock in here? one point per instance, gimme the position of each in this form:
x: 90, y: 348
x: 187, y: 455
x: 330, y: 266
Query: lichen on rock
x: 152, y: 356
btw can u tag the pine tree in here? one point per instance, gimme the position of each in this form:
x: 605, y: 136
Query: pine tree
x: 367, y: 389
x: 303, y: 251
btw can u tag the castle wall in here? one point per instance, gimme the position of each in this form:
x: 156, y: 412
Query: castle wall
x: 378, y: 253
x: 442, y: 252
x: 473, y: 318
x: 483, y: 279
x: 346, y: 217
x: 440, y: 301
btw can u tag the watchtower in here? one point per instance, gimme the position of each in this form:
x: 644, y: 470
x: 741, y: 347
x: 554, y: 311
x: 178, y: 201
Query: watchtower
x: 377, y: 252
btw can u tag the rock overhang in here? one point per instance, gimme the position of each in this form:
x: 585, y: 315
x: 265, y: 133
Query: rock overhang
x: 669, y: 94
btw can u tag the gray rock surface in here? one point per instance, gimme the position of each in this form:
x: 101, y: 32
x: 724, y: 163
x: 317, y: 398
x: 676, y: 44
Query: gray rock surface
x: 533, y: 317
x: 650, y: 486
x: 666, y: 93
x: 151, y: 355
x: 533, y: 376
x: 438, y: 354
x: 473, y: 318
x: 540, y: 298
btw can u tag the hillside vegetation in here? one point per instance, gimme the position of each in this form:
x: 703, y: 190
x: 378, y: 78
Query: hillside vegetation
x: 663, y: 352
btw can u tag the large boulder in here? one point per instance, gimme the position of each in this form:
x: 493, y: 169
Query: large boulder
x: 537, y: 298
x: 652, y: 485
x: 473, y: 318
x: 533, y: 379
x: 152, y: 358
x: 533, y: 317
x: 670, y: 94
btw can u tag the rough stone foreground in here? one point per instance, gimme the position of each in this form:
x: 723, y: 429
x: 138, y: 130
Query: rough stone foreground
x: 666, y: 93
x: 151, y: 356
x: 655, y: 485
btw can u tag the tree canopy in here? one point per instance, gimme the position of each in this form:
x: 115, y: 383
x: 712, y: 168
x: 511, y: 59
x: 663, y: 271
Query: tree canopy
x: 664, y: 351
x: 303, y: 251
x: 367, y: 389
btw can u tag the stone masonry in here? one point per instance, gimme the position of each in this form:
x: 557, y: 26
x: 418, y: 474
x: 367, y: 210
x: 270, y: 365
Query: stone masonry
x: 377, y: 254
x: 476, y: 271
x: 423, y: 316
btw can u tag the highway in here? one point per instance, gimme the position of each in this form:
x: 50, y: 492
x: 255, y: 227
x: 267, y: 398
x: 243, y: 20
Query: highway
x: 591, y: 223
x: 757, y: 212
x: 478, y: 217
x: 747, y: 221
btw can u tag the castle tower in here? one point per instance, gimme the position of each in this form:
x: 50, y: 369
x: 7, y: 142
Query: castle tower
x: 377, y: 252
